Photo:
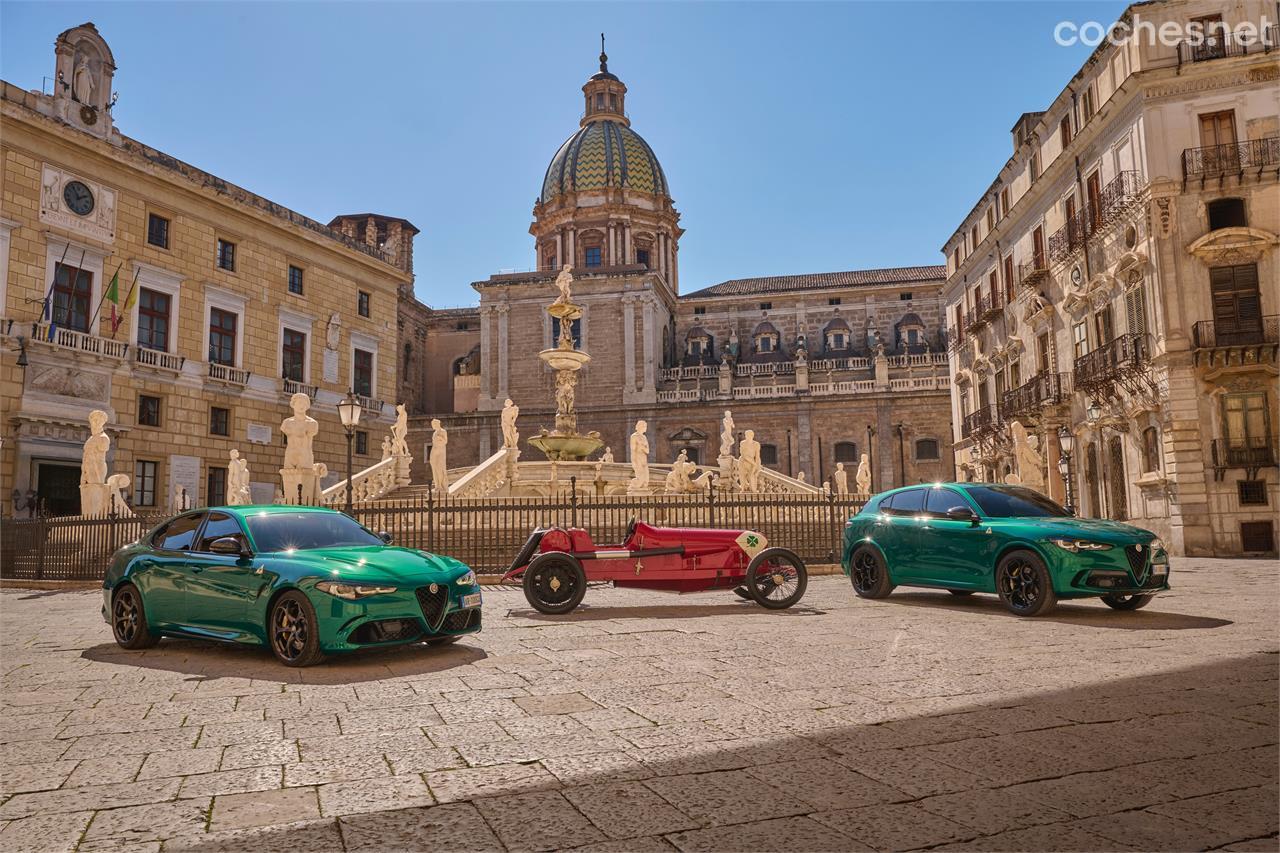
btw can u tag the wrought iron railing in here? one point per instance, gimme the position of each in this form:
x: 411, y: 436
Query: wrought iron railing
x: 985, y: 307
x: 954, y: 338
x: 1253, y: 452
x: 1070, y: 237
x: 1031, y: 273
x: 1112, y: 362
x: 979, y: 422
x: 1119, y: 196
x: 1043, y: 389
x: 1225, y: 44
x: 1210, y: 334
x: 1233, y: 158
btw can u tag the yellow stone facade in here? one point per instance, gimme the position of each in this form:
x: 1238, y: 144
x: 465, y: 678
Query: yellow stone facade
x: 51, y: 380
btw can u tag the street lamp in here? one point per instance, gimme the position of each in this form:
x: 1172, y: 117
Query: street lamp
x: 349, y: 411
x: 1094, y: 412
x: 1066, y: 441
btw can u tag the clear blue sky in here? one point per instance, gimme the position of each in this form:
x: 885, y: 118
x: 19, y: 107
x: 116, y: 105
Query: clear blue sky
x: 796, y: 137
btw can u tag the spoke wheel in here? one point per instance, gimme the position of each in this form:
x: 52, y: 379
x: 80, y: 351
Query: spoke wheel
x: 294, y: 637
x: 554, y: 583
x: 1024, y: 586
x: 868, y: 574
x: 1120, y: 601
x: 129, y: 619
x: 776, y: 579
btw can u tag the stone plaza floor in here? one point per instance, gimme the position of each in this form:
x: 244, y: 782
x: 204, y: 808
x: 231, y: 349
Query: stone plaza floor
x: 652, y: 722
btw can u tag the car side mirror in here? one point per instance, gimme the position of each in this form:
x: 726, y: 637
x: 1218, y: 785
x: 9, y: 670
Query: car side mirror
x: 962, y: 513
x: 385, y: 537
x: 230, y: 546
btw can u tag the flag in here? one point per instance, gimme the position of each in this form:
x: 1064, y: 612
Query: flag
x: 113, y: 296
x: 129, y: 302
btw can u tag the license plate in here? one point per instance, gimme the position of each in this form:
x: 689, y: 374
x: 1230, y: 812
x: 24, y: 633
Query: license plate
x: 472, y: 600
x: 1160, y: 569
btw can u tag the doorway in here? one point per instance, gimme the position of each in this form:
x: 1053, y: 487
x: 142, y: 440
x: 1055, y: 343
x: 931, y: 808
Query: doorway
x: 58, y: 488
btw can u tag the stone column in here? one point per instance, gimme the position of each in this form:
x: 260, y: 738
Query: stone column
x: 626, y: 242
x: 503, y: 350
x: 650, y: 371
x: 611, y: 245
x: 560, y: 248
x: 628, y: 345
x: 573, y: 247
x: 486, y: 357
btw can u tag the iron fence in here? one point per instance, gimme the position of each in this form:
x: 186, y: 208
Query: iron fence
x: 484, y: 533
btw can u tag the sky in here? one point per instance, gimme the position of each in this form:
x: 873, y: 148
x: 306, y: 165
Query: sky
x: 796, y: 137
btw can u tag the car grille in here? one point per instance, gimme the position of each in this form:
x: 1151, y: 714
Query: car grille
x: 461, y: 620
x: 386, y: 631
x: 1138, y: 556
x: 433, y: 603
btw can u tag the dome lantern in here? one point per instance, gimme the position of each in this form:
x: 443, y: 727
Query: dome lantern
x: 605, y: 95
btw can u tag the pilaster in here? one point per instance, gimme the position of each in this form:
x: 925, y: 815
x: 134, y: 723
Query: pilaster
x: 504, y: 371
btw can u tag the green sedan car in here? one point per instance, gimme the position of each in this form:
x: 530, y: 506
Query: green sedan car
x: 305, y: 582
x: 1009, y: 540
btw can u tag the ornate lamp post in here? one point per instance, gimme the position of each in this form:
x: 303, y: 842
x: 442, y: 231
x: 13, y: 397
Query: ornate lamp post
x: 1067, y: 441
x: 349, y: 411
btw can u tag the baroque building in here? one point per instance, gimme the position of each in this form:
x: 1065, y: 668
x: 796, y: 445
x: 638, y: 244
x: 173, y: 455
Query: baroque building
x: 185, y: 307
x: 1116, y: 285
x: 822, y: 367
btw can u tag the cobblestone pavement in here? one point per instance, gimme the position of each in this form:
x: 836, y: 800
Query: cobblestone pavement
x: 648, y: 722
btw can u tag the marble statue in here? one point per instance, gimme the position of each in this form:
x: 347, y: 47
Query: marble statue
x: 439, y: 466
x: 749, y: 462
x: 301, y: 473
x: 386, y: 448
x: 863, y: 476
x: 564, y: 283
x: 841, y: 477
x: 607, y: 458
x: 678, y: 479
x: 705, y: 481
x: 510, y: 435
x: 333, y: 331
x: 82, y: 83
x: 237, y: 481
x: 733, y: 347
x: 801, y: 477
x: 116, y: 502
x: 726, y: 434
x: 639, y: 458
x: 94, y: 492
x: 565, y: 380
x: 1030, y: 463
x: 400, y: 432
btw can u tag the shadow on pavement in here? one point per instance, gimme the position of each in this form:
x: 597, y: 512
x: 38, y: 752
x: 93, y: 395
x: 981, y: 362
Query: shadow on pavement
x: 1071, y: 612
x: 206, y: 660
x: 587, y: 613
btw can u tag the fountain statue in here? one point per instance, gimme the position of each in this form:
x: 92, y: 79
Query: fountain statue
x: 639, y: 459
x: 301, y: 474
x: 564, y: 442
x: 863, y: 476
x: 749, y: 462
x: 94, y: 493
x: 439, y: 457
x: 237, y: 481
x: 841, y: 477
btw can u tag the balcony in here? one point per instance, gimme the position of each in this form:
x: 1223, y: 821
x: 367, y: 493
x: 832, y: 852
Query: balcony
x: 1235, y: 158
x: 63, y: 338
x: 1119, y: 361
x: 228, y: 375
x: 158, y: 359
x: 1216, y: 344
x: 1027, y: 400
x: 985, y: 309
x: 979, y: 423
x: 1121, y: 195
x: 1033, y: 272
x: 369, y: 405
x: 1068, y: 239
x: 291, y: 387
x: 1225, y: 45
x: 1251, y: 453
x: 954, y: 338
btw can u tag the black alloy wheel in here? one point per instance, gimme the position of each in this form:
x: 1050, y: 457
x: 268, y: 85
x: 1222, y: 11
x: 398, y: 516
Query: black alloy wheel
x: 776, y: 578
x: 1024, y: 585
x: 1122, y: 601
x: 868, y: 574
x: 129, y: 619
x: 294, y: 631
x: 554, y: 583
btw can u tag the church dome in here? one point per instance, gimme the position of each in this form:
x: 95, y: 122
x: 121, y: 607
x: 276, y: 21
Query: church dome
x: 604, y: 153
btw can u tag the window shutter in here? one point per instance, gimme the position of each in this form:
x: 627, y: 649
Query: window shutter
x: 1135, y: 305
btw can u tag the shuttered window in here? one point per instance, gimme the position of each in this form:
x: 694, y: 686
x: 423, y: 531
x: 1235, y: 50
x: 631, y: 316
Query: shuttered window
x: 1237, y: 305
x: 1135, y: 310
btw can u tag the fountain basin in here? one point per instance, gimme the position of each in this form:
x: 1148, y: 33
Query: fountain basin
x: 564, y: 359
x: 566, y: 448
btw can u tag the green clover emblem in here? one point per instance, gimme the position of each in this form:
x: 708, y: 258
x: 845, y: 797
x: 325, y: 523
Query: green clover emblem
x: 752, y: 540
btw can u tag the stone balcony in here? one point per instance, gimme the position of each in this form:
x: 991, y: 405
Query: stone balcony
x: 826, y: 377
x: 158, y: 360
x: 225, y: 374
x: 61, y: 338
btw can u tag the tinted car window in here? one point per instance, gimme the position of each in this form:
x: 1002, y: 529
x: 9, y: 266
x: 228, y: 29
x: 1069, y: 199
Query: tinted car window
x: 910, y: 502
x: 178, y: 534
x: 219, y: 525
x: 1015, y: 502
x: 284, y: 531
x: 938, y: 501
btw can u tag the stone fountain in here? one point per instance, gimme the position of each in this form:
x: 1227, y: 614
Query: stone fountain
x: 564, y: 443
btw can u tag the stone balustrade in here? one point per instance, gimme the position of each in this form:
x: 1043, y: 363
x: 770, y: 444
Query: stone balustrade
x: 371, y: 483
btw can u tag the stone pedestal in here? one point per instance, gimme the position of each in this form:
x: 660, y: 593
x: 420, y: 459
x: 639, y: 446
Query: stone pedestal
x: 726, y: 480
x: 306, y: 479
x: 95, y: 499
x: 726, y: 380
x: 882, y: 372
x: 402, y: 464
x: 802, y: 377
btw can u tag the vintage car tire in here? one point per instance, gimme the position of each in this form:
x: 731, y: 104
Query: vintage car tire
x: 870, y: 579
x: 1120, y: 601
x: 129, y: 619
x: 295, y: 607
x: 1024, y: 585
x: 760, y: 595
x: 562, y: 568
x: 741, y: 592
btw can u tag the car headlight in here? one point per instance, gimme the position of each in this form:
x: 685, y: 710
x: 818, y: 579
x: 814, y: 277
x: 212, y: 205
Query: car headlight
x: 469, y: 579
x: 1074, y: 545
x: 1158, y: 552
x: 350, y: 591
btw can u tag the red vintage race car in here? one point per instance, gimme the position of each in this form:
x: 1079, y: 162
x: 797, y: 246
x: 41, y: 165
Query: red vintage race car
x: 556, y: 564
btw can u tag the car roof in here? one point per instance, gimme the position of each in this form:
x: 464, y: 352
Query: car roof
x: 260, y: 509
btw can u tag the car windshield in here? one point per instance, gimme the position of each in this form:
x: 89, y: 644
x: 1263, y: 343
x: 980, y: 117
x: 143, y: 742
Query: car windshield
x: 1015, y: 502
x: 286, y: 531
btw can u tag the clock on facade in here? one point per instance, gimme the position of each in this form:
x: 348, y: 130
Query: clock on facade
x: 79, y: 198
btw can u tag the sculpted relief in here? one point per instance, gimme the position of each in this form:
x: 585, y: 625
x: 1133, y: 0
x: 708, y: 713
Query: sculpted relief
x: 69, y: 382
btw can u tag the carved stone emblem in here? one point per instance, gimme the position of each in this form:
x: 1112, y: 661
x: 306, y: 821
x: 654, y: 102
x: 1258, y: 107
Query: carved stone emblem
x: 67, y: 382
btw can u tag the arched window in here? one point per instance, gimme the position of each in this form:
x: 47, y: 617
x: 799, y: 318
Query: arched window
x: 926, y: 448
x: 1150, y: 449
x: 769, y: 455
x: 846, y: 452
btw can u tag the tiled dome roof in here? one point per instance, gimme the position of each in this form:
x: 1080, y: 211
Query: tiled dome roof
x: 604, y: 154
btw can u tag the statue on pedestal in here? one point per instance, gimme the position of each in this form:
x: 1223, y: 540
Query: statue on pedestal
x: 863, y: 477
x: 439, y: 466
x: 1030, y: 463
x: 301, y: 473
x: 386, y: 448
x: 678, y: 480
x: 564, y: 283
x: 116, y: 503
x: 607, y: 457
x: 400, y: 432
x: 237, y: 481
x: 749, y: 462
x: 841, y: 477
x: 726, y: 434
x: 94, y: 493
x: 510, y: 435
x: 639, y: 459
